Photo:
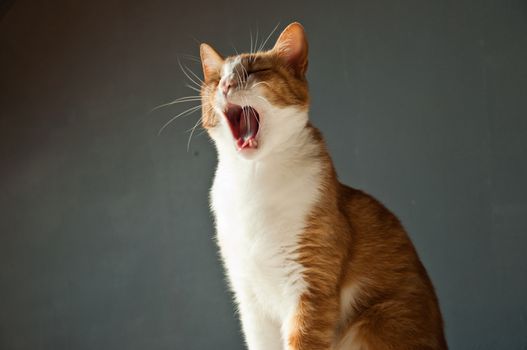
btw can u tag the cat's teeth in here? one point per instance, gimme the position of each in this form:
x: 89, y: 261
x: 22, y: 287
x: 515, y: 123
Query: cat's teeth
x: 247, y: 143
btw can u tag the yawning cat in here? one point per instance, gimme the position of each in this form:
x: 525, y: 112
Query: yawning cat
x: 314, y: 264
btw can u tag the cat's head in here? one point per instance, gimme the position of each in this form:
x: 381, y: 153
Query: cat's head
x: 255, y: 104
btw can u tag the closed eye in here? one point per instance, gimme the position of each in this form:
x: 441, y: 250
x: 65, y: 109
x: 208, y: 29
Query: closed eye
x: 254, y: 71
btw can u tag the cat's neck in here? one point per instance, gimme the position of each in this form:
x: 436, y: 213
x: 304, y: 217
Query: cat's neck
x: 304, y: 155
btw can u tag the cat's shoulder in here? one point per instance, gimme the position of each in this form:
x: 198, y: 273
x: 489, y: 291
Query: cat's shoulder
x: 364, y: 208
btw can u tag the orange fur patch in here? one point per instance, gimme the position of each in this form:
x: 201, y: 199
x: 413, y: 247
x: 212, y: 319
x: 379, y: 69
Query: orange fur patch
x: 352, y: 239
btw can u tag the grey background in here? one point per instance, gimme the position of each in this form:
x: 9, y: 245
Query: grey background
x: 106, y: 241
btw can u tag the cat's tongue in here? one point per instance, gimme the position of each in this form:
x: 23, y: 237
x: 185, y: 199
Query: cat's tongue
x: 244, y: 123
x: 248, y: 127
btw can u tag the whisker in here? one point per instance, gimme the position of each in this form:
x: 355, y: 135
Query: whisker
x: 243, y: 78
x: 176, y: 101
x: 195, y: 39
x: 191, y: 133
x: 186, y: 74
x: 251, y: 34
x: 237, y: 53
x: 238, y: 78
x: 247, y: 122
x: 255, y: 117
x: 194, y: 128
x: 264, y: 99
x: 198, y: 85
x: 256, y: 40
x: 268, y: 37
x: 195, y: 75
x: 190, y: 57
x: 184, y: 113
x: 192, y: 87
x: 261, y: 82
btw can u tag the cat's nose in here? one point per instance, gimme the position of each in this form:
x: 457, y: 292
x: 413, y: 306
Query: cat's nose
x: 226, y: 84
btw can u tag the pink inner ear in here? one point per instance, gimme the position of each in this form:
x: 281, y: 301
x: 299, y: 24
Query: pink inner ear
x: 292, y: 47
x: 211, y: 61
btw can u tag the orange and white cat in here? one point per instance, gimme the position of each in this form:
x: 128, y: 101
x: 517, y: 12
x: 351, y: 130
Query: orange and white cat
x: 313, y: 264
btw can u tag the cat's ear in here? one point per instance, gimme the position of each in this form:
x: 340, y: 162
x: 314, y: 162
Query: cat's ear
x: 291, y: 46
x: 211, y: 62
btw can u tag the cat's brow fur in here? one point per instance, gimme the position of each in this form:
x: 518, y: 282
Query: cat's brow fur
x: 314, y: 264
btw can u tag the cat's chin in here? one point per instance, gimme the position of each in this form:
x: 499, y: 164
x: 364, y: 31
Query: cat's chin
x: 249, y: 154
x: 244, y: 124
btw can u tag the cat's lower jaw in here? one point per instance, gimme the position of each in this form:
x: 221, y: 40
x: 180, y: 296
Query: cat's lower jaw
x: 244, y: 124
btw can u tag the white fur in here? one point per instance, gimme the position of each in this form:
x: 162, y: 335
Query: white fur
x: 349, y: 296
x: 261, y: 200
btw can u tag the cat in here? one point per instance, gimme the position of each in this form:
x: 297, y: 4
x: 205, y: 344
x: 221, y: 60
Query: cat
x: 313, y: 264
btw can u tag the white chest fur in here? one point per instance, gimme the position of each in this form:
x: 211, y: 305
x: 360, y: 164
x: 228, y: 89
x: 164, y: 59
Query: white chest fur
x: 260, y: 211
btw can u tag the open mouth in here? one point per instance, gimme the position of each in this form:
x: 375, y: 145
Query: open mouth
x: 244, y: 123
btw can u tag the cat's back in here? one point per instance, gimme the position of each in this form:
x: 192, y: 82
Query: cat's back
x: 372, y: 225
x: 380, y: 249
x: 385, y: 273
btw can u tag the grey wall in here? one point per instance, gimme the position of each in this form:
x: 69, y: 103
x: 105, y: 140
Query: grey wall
x: 106, y: 241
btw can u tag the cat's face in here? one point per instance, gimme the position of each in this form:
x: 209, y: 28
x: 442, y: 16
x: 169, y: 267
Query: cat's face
x: 254, y: 104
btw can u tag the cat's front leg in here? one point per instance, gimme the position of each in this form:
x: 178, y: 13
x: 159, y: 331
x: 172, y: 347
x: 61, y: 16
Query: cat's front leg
x: 260, y: 331
x: 311, y: 324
